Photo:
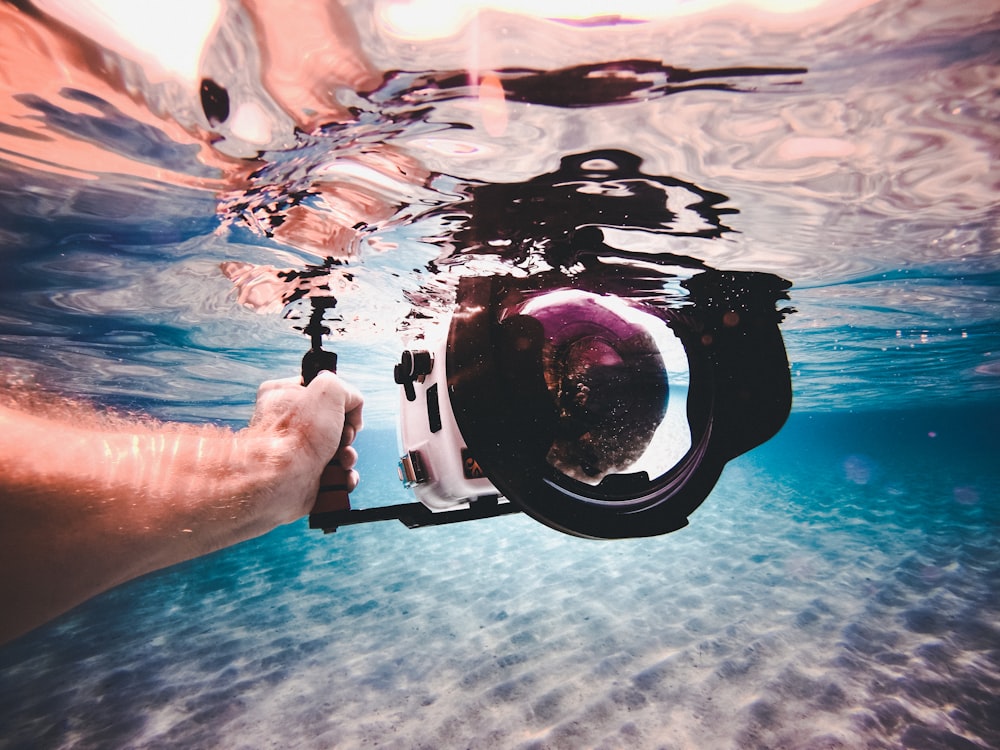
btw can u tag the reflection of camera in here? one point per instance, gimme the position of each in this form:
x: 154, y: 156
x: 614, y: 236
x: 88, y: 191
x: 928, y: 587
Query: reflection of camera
x: 597, y: 416
x: 599, y: 393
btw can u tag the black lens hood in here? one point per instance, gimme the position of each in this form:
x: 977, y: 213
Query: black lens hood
x: 739, y: 395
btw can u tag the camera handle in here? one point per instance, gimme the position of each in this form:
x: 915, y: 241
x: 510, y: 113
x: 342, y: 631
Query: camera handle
x: 332, y: 495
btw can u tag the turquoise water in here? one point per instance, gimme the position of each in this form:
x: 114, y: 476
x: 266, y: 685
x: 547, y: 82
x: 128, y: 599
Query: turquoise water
x: 832, y: 592
x: 839, y: 587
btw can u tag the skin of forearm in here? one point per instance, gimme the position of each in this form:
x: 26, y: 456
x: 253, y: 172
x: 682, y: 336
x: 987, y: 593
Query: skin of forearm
x: 108, y: 504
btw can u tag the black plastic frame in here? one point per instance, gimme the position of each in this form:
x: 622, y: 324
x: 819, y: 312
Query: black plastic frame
x: 739, y: 396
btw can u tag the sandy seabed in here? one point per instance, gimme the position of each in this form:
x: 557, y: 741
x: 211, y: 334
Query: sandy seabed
x: 821, y: 598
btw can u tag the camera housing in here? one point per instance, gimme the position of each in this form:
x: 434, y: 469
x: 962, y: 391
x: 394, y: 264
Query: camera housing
x: 436, y: 463
x: 486, y: 415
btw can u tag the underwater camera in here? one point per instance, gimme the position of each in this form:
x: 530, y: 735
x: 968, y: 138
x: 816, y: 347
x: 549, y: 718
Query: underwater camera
x: 597, y: 415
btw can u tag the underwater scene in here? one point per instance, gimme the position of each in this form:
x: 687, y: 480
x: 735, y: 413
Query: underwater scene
x: 701, y: 299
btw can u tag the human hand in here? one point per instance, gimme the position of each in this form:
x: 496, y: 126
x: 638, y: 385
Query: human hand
x: 139, y: 496
x: 317, y: 424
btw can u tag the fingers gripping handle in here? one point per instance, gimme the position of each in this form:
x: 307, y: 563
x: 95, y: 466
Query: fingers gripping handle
x: 332, y: 493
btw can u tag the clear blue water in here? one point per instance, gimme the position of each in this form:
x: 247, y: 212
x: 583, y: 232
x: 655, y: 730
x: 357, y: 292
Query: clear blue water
x: 839, y: 588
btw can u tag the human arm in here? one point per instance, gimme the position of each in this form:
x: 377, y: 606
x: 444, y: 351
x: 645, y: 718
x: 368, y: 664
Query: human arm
x: 88, y: 503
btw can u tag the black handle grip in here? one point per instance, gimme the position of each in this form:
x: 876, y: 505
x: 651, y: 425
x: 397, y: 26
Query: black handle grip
x: 332, y: 493
x: 315, y: 361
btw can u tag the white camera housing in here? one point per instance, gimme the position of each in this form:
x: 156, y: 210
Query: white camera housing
x: 436, y: 463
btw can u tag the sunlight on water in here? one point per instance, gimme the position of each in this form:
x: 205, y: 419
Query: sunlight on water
x: 855, y: 166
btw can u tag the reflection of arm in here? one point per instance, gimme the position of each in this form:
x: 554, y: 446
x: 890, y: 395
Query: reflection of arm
x: 88, y: 505
x: 309, y: 52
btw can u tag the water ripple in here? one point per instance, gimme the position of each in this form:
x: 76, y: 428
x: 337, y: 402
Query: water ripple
x: 850, y: 149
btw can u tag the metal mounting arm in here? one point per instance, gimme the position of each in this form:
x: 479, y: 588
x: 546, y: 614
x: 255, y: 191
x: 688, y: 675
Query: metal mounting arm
x: 412, y: 515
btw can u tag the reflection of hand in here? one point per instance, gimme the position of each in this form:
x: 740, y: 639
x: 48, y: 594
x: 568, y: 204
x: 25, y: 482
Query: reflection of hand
x: 307, y: 54
x: 322, y: 421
